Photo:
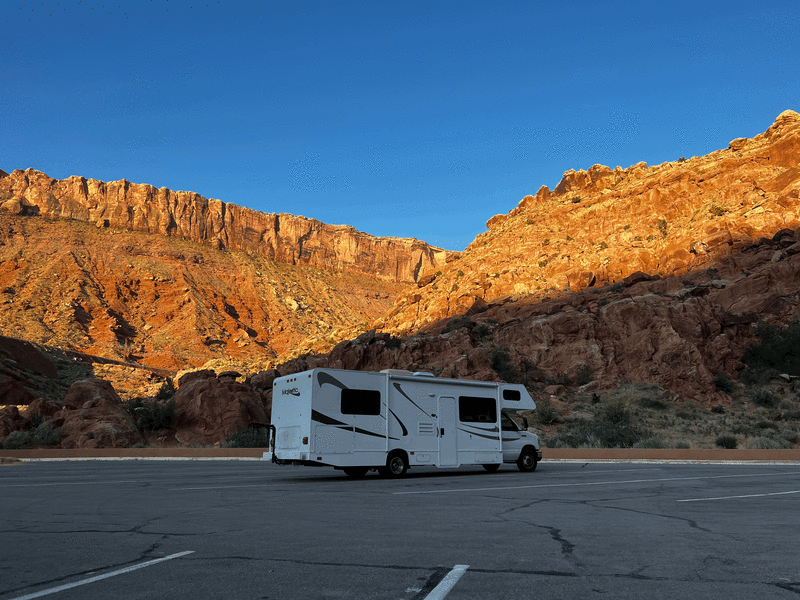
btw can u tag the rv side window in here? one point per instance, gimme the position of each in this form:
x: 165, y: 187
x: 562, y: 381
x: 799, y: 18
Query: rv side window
x: 473, y: 409
x: 361, y: 402
x: 511, y: 395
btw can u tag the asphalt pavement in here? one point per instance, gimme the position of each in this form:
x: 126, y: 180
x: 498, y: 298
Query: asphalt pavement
x: 233, y: 529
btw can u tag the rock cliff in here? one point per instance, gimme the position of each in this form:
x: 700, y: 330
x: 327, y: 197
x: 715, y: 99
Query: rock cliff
x: 285, y: 238
x: 601, y: 225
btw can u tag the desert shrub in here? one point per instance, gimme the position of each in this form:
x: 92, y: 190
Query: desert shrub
x: 718, y: 410
x: 43, y: 435
x: 546, y: 242
x: 764, y: 398
x: 151, y: 416
x: 603, y: 245
x: 36, y: 420
x: 791, y: 415
x: 501, y: 363
x: 615, y: 413
x: 652, y: 402
x: 576, y: 200
x: 744, y: 429
x: 546, y: 413
x: 482, y: 330
x: 596, y: 433
x: 766, y: 425
x: 584, y: 375
x: 563, y: 377
x: 662, y: 227
x: 393, y: 342
x: 717, y: 211
x: 686, y: 415
x: 792, y: 436
x: 166, y: 391
x: 764, y: 443
x: 778, y: 352
x: 542, y: 263
x: 683, y: 445
x: 249, y: 437
x: 727, y: 441
x: 653, y: 441
x: 724, y: 383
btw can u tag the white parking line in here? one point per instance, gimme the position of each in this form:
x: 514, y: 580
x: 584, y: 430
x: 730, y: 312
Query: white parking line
x: 551, y: 485
x: 217, y: 487
x: 745, y: 496
x: 68, y: 586
x: 446, y: 584
x: 99, y: 481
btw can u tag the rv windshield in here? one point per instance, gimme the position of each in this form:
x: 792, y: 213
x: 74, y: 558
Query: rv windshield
x: 508, y: 424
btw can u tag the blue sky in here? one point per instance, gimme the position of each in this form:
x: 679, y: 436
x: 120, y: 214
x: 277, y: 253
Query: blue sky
x: 412, y: 119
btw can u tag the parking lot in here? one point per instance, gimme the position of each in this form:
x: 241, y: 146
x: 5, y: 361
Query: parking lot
x: 251, y: 529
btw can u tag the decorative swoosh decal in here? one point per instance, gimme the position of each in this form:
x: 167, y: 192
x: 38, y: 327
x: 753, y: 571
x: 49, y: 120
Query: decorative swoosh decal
x: 492, y: 429
x: 323, y: 378
x: 399, y: 389
x: 326, y: 420
x: 488, y: 437
x: 405, y: 431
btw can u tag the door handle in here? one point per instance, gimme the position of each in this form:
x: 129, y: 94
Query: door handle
x: 442, y: 432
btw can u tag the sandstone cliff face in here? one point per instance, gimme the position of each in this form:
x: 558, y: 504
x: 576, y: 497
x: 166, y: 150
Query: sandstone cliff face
x: 679, y: 332
x: 169, y: 303
x: 601, y: 225
x: 281, y: 237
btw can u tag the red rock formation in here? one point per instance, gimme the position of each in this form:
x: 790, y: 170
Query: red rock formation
x: 602, y: 225
x: 94, y: 417
x: 282, y: 237
x: 208, y: 409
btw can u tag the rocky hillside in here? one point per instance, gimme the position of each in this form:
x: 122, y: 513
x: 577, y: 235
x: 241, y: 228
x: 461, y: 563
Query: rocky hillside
x: 289, y: 239
x: 601, y: 225
x: 169, y: 303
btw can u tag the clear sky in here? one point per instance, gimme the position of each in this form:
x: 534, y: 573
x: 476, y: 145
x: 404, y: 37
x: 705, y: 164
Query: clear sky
x: 412, y: 119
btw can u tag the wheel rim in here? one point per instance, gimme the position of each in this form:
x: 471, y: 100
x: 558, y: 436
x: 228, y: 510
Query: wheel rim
x: 528, y: 461
x: 396, y: 465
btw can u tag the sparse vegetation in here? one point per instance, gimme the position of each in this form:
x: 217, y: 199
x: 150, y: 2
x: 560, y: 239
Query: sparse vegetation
x: 727, y: 442
x: 723, y: 383
x: 482, y: 330
x: 151, y: 416
x: 501, y: 363
x: 584, y: 375
x: 542, y: 263
x: 603, y: 245
x: 764, y: 397
x: 663, y: 227
x: 249, y: 437
x: 456, y: 324
x: 546, y: 413
x: 778, y: 352
x: 45, y: 434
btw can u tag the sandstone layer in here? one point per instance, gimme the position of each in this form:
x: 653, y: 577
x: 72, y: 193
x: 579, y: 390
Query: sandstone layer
x: 601, y: 225
x: 290, y: 239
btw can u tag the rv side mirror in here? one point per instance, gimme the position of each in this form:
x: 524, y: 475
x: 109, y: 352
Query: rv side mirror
x: 525, y: 423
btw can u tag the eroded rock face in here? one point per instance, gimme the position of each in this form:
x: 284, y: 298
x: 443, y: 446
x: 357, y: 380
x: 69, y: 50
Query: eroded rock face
x: 94, y: 417
x: 679, y: 332
x: 282, y: 237
x: 603, y: 225
x: 209, y: 409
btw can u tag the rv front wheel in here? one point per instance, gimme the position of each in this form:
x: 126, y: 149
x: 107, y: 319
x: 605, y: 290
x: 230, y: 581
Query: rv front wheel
x: 396, y: 465
x: 527, y: 460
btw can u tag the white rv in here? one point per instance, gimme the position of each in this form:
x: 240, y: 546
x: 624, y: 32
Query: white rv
x: 357, y: 421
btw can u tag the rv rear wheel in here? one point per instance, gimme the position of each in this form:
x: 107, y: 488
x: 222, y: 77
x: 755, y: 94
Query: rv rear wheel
x: 527, y: 460
x: 491, y: 468
x: 355, y: 471
x: 396, y: 465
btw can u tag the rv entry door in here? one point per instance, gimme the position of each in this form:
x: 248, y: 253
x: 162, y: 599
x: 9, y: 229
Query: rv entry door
x: 447, y: 432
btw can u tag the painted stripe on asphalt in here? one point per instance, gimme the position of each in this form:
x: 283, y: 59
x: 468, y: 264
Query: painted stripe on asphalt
x: 104, y: 482
x: 68, y: 586
x: 551, y: 485
x: 446, y: 584
x: 745, y: 496
x: 217, y: 487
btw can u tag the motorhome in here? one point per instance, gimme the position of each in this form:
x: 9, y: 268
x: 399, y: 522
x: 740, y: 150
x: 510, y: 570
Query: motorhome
x: 389, y: 421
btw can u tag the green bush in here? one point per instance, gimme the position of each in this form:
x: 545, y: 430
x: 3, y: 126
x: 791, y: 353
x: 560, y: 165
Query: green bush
x: 727, y: 441
x: 584, y: 375
x: 393, y: 342
x: 546, y: 413
x: 652, y: 402
x: 654, y: 441
x: 151, y: 416
x: 663, y: 227
x: 616, y: 413
x: 249, y: 437
x: 43, y: 435
x: 683, y: 445
x: 501, y: 363
x: 724, y: 383
x: 596, y: 433
x: 603, y: 245
x: 482, y: 330
x: 718, y: 410
x: 764, y: 398
x: 456, y: 324
x: 778, y: 352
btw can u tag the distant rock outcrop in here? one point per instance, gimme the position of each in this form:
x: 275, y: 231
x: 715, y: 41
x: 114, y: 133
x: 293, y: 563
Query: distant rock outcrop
x: 282, y: 237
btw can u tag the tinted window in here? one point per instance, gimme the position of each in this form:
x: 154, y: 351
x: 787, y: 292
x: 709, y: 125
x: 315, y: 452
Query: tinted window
x: 511, y: 395
x: 473, y: 409
x: 361, y: 402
